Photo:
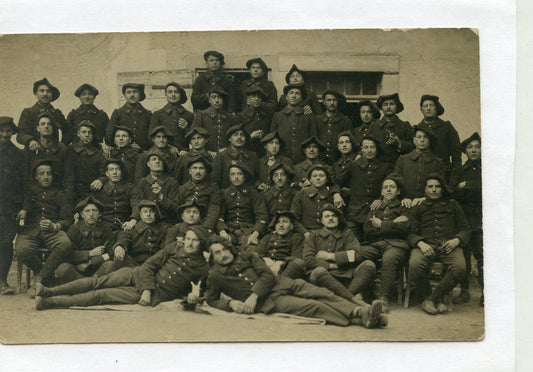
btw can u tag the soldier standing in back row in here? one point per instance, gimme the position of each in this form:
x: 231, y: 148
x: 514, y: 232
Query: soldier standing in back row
x: 88, y: 111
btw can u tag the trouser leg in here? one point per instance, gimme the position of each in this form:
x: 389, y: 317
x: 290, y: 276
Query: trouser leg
x: 295, y: 269
x: 66, y: 272
x: 370, y: 252
x: 393, y: 259
x: 322, y: 278
x: 122, y: 277
x: 455, y: 273
x: 105, y: 268
x: 465, y: 283
x: 363, y: 277
x: 118, y: 295
x: 419, y: 268
x: 59, y: 243
x: 8, y: 229
x: 26, y: 247
x: 476, y: 242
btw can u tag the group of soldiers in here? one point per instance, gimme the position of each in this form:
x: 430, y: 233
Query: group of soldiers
x: 251, y: 203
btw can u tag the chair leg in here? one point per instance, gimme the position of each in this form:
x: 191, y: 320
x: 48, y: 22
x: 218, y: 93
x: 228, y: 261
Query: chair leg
x: 19, y: 274
x: 407, y: 290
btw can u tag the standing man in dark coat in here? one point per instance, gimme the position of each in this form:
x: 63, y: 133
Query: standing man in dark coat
x: 369, y: 113
x: 197, y: 141
x: 255, y: 116
x: 214, y: 76
x: 88, y: 111
x: 11, y: 194
x: 259, y: 80
x: 310, y: 103
x: 45, y: 93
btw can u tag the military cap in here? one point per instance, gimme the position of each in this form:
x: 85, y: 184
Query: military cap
x: 159, y: 154
x: 44, y: 81
x: 89, y: 200
x: 151, y: 204
x: 86, y: 123
x: 269, y: 137
x: 473, y: 137
x: 435, y: 99
x: 121, y: 164
x: 349, y: 134
x: 202, y: 234
x: 299, y: 87
x: 8, y: 121
x: 373, y: 107
x: 427, y: 130
x: 214, y: 53
x: 183, y: 94
x: 375, y: 140
x: 283, y: 213
x: 262, y: 63
x: 320, y: 167
x: 254, y: 89
x: 293, y: 69
x: 139, y: 87
x: 311, y: 140
x: 161, y: 128
x: 330, y: 207
x: 398, y: 180
x: 219, y: 90
x: 200, y: 159
x: 201, y: 131
x: 395, y: 97
x: 88, y: 87
x: 36, y: 164
x: 189, y: 204
x: 281, y: 165
x: 247, y: 172
x: 340, y: 97
x: 236, y: 128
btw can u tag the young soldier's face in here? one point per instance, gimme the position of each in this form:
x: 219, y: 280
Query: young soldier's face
x: 212, y: 63
x: 45, y: 127
x: 473, y: 150
x: 197, y: 172
x: 330, y: 220
x: 198, y: 142
x: 160, y: 140
x: 44, y: 94
x: 254, y: 100
x: 191, y: 243
x: 256, y: 70
x: 122, y: 138
x: 429, y: 109
x: 132, y: 96
x: 236, y: 176
x: 173, y: 95
x: 155, y: 163
x: 87, y: 97
x: 5, y: 134
x: 147, y: 215
x: 90, y: 214
x: 389, y: 107
x: 114, y: 172
x: 366, y: 114
x: 296, y: 78
x: 311, y: 151
x: 216, y: 100
x: 279, y: 177
x: 433, y: 189
x: 421, y: 140
x: 237, y: 139
x: 294, y: 96
x: 85, y: 134
x: 318, y: 178
x: 389, y: 190
x: 272, y: 147
x: 331, y: 102
x: 221, y: 255
x: 344, y: 144
x: 191, y: 216
x: 283, y: 226
x: 44, y: 175
x: 369, y: 149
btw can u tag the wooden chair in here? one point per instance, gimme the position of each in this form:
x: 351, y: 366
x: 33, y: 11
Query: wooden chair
x: 438, y: 270
x: 23, y: 270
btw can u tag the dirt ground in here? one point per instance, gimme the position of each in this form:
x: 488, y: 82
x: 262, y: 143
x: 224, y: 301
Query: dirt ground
x: 20, y: 323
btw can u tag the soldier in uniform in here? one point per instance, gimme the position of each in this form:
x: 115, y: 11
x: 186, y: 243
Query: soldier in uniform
x: 259, y: 82
x: 124, y: 150
x: 369, y: 113
x: 274, y: 147
x: 310, y: 104
x: 88, y: 111
x: 347, y: 148
x: 191, y: 214
x: 256, y: 116
x: 197, y: 141
x: 281, y: 194
x: 161, y: 139
x: 313, y: 149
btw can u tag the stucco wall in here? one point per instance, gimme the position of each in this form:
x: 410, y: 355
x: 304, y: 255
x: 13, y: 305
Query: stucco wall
x: 444, y: 62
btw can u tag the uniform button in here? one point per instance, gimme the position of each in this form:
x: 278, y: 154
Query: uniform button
x: 240, y: 274
x: 164, y: 281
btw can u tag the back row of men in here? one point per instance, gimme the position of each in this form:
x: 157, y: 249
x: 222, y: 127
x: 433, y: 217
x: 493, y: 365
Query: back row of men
x: 233, y: 174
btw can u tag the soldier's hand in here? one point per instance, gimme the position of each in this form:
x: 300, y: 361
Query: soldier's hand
x: 450, y: 245
x: 182, y: 153
x: 127, y: 226
x: 250, y: 303
x: 417, y: 201
x: 98, y: 251
x: 21, y: 215
x: 212, y: 154
x: 392, y: 138
x: 306, y: 234
x: 462, y: 185
x: 182, y: 123
x: 376, y: 222
x: 338, y: 201
x: 225, y: 235
x: 375, y: 204
x: 407, y: 203
x: 96, y: 185
x: 194, y: 295
x: 136, y: 146
x: 34, y: 145
x: 47, y: 225
x: 120, y: 253
x: 400, y: 219
x: 308, y: 110
x: 236, y: 306
x: 257, y: 134
x: 323, y: 255
x: 426, y: 249
x: 146, y: 298
x: 253, y: 238
x: 174, y: 151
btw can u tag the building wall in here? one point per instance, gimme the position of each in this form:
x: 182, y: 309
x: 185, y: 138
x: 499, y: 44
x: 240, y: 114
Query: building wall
x: 444, y: 62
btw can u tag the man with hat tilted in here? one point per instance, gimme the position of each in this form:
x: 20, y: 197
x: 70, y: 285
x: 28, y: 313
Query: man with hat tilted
x: 174, y: 116
x: 88, y: 111
x: 190, y: 214
x: 280, y: 194
x: 313, y: 149
x: 45, y: 93
x: 132, y: 115
x: 92, y: 240
x: 236, y: 152
x: 255, y: 116
x: 161, y: 138
x: 259, y: 82
x: 214, y: 76
x: 215, y: 119
x: 273, y: 148
x: 124, y: 149
x: 197, y: 141
x: 11, y: 192
x: 310, y: 104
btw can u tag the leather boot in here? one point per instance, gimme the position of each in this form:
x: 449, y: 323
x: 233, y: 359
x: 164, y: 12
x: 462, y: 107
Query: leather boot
x: 64, y: 302
x: 322, y: 278
x: 75, y: 287
x: 369, y: 316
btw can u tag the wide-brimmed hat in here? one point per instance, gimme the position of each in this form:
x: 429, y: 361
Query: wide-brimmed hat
x: 6, y: 121
x: 44, y: 81
x: 183, y: 94
x: 89, y: 200
x: 161, y: 128
x: 375, y: 140
x: 191, y: 203
x: 310, y: 140
x: 236, y: 128
x: 214, y: 53
x: 262, y: 63
x: 219, y: 90
x: 139, y: 87
x: 283, y: 213
x: 151, y: 204
x: 281, y: 165
x: 299, y: 87
x: 428, y: 131
x: 88, y: 87
x: 473, y: 137
x: 373, y: 107
x: 200, y: 159
x: 269, y: 137
x: 248, y: 175
x: 349, y: 134
x: 121, y: 127
x: 330, y: 207
x: 395, y: 97
x: 341, y: 98
x: 435, y: 99
x: 201, y: 131
x: 293, y: 68
x: 86, y: 123
x: 202, y: 234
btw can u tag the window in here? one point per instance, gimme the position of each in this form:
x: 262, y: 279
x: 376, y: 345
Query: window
x: 356, y: 86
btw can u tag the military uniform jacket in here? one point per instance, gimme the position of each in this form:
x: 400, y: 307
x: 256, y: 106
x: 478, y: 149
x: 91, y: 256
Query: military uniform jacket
x: 143, y: 240
x: 311, y: 100
x: 404, y: 131
x: 343, y: 243
x: 165, y: 272
x: 414, y: 168
x: 84, y: 238
x: 46, y: 203
x: 264, y: 168
x: 448, y: 144
x: 280, y: 248
x: 89, y: 112
x: 116, y: 201
x: 366, y: 178
x: 246, y: 274
x: 328, y: 129
x: 242, y: 207
x: 271, y: 102
x: 177, y: 231
x: 181, y: 171
x: 470, y: 197
x: 341, y: 170
x: 28, y: 124
x: 435, y: 222
x: 253, y: 120
x: 207, y: 195
x: 137, y: 118
x: 278, y: 200
x: 394, y: 233
x: 217, y: 124
x: 143, y: 191
x: 307, y: 204
x: 142, y: 170
x: 12, y: 169
x: 360, y: 132
x: 232, y: 156
x: 207, y: 80
x: 169, y: 117
x: 128, y: 155
x: 87, y: 163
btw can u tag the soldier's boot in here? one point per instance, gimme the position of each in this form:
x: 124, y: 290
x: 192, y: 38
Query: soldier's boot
x: 77, y: 286
x: 322, y: 278
x: 64, y: 302
x: 370, y: 316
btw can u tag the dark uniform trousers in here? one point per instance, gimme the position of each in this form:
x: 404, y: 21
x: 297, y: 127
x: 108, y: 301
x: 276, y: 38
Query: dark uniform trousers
x: 8, y: 229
